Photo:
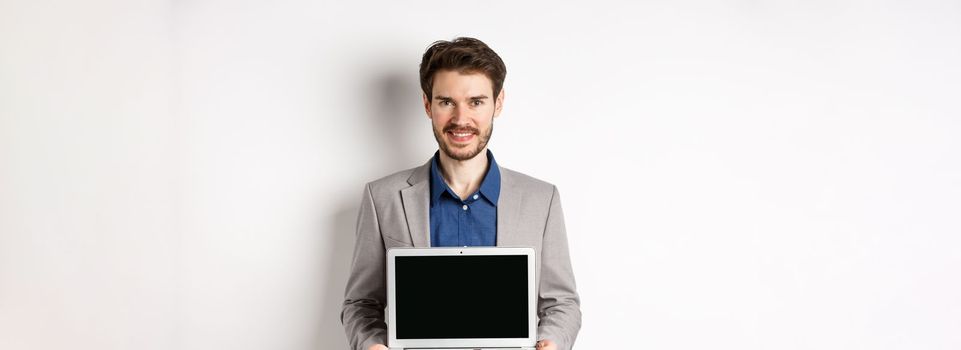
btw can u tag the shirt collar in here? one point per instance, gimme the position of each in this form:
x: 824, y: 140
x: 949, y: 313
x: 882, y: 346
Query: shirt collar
x: 490, y: 187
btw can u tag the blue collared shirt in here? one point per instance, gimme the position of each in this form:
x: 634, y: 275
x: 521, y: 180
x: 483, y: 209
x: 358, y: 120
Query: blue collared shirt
x: 470, y: 222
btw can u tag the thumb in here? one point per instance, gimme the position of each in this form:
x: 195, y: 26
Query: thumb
x: 544, y: 343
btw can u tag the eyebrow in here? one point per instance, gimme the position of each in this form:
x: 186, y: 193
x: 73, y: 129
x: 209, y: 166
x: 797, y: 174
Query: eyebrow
x: 448, y: 98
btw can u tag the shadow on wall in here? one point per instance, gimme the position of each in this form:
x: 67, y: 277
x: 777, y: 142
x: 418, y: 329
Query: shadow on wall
x: 395, y: 117
x: 389, y: 116
x: 340, y: 245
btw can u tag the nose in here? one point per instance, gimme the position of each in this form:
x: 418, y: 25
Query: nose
x: 456, y: 116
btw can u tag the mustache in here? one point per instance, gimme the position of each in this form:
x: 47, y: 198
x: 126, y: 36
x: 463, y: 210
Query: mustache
x: 461, y: 129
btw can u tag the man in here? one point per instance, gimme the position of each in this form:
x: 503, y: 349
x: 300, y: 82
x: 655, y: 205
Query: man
x: 461, y: 197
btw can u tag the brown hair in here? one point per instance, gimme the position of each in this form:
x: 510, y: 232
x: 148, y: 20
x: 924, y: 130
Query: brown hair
x: 465, y: 55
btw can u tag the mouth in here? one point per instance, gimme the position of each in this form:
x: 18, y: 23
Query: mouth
x: 460, y: 136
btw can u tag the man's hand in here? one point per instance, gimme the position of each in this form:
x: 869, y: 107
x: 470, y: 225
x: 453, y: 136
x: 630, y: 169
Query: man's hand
x: 546, y: 344
x: 377, y: 347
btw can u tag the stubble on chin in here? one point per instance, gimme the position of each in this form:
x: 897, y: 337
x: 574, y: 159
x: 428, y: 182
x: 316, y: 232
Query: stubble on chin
x: 462, y: 156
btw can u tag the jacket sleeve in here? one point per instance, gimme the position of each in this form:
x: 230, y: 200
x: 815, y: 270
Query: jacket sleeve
x: 558, y: 306
x: 366, y: 295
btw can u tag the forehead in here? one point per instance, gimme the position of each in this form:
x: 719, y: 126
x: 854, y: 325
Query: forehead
x: 457, y: 84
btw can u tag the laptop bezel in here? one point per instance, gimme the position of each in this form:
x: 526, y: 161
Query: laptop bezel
x: 393, y: 342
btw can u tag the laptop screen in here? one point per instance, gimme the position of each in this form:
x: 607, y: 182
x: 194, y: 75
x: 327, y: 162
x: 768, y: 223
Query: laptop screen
x: 464, y: 296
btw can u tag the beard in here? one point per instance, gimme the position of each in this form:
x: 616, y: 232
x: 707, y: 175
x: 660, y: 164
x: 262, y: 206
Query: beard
x: 462, y: 153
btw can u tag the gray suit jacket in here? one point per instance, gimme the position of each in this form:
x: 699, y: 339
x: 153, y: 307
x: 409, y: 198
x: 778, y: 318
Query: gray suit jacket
x: 394, y: 213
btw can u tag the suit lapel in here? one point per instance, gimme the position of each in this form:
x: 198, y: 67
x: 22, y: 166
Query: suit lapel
x: 508, y: 204
x: 416, y: 200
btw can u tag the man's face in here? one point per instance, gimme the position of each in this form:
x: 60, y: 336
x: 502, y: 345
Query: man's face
x: 462, y: 112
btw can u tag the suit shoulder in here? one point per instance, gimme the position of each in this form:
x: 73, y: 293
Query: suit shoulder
x: 392, y: 182
x: 525, y: 181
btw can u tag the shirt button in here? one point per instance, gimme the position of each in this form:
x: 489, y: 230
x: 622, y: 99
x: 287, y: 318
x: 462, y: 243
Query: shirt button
x: 475, y: 196
x: 465, y: 207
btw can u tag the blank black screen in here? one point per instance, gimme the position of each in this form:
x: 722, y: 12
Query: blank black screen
x: 464, y: 296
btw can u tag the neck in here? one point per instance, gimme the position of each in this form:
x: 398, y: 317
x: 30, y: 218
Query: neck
x: 464, y: 176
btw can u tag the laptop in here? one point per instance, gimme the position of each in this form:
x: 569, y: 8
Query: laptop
x: 461, y: 298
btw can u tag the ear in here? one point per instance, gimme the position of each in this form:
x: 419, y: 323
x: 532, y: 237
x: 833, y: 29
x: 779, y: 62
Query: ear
x: 499, y: 103
x: 426, y: 105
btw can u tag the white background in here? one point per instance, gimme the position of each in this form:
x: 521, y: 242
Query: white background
x: 735, y: 175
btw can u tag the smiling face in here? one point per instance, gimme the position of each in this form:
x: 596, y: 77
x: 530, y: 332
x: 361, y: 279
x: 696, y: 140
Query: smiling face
x: 462, y: 112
